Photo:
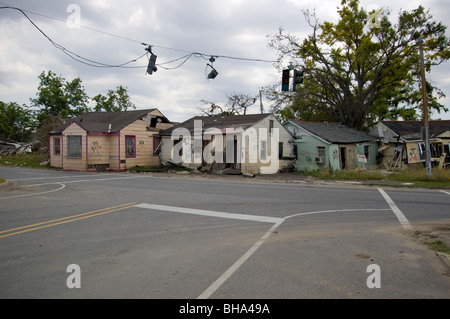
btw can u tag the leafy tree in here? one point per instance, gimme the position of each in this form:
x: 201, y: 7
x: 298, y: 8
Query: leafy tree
x: 113, y: 101
x: 358, y: 72
x: 58, y: 97
x: 15, y: 122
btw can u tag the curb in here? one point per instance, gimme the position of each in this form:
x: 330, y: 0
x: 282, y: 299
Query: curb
x: 444, y: 257
x: 5, y: 183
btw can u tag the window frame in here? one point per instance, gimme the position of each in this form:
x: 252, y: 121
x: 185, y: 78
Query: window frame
x: 280, y: 150
x: 71, y: 145
x: 321, y: 151
x: 127, y: 138
x: 57, y: 146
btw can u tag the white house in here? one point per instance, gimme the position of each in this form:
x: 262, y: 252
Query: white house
x: 253, y: 144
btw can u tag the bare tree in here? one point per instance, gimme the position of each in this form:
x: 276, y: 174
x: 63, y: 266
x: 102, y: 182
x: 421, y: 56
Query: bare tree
x: 237, y: 104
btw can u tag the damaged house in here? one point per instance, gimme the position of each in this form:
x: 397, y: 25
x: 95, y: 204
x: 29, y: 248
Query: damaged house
x: 402, y: 142
x: 242, y: 144
x: 108, y: 141
x: 323, y: 145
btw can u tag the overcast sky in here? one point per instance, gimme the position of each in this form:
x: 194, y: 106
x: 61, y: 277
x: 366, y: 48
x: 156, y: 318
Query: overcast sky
x: 111, y: 32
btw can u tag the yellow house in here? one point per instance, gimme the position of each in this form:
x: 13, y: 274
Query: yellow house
x: 402, y: 142
x: 108, y: 141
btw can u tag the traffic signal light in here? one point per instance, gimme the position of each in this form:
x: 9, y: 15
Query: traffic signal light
x: 285, y: 80
x: 152, y: 64
x: 213, y: 73
x: 298, y: 79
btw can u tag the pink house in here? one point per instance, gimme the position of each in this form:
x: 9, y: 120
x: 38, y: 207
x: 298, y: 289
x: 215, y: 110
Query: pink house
x: 108, y: 141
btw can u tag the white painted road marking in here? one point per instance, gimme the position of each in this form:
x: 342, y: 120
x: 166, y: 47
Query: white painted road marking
x: 227, y: 274
x: 402, y: 218
x: 210, y: 213
x: 230, y: 271
x: 40, y: 193
x: 82, y: 181
x: 62, y: 185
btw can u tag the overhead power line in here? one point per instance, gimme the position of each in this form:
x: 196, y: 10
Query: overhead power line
x: 97, y: 64
x: 74, y: 55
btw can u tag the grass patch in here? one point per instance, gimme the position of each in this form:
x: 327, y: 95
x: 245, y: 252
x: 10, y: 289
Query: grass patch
x: 419, y: 175
x: 440, y: 246
x: 2, y: 180
x: 415, y: 177
x: 28, y: 160
x: 349, y: 175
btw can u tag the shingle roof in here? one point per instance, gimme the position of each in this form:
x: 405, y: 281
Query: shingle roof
x: 220, y: 122
x: 412, y: 130
x: 98, y: 122
x: 335, y: 132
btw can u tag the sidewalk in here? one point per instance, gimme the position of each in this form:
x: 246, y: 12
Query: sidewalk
x: 286, y: 178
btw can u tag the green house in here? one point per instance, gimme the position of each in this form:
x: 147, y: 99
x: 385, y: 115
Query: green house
x: 323, y: 145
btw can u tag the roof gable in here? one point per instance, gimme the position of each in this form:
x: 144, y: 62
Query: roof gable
x: 412, y: 130
x: 220, y: 122
x: 334, y: 132
x: 109, y: 122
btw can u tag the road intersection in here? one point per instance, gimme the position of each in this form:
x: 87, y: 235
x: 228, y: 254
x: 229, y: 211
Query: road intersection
x: 138, y: 235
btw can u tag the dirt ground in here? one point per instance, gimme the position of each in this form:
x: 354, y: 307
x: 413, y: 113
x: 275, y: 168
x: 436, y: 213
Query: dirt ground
x: 427, y: 234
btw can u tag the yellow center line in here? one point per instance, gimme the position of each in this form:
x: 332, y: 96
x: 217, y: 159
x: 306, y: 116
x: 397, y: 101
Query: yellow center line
x: 65, y: 220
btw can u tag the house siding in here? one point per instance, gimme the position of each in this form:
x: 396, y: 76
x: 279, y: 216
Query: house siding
x: 56, y: 160
x: 307, y: 151
x: 98, y: 149
x: 77, y: 164
x: 143, y: 146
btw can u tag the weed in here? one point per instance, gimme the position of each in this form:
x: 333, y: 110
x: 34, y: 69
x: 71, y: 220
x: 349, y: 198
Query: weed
x: 440, y: 246
x: 28, y: 160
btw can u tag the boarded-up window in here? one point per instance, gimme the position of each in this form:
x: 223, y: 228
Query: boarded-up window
x: 57, y: 146
x: 130, y: 146
x: 74, y: 146
x: 156, y: 145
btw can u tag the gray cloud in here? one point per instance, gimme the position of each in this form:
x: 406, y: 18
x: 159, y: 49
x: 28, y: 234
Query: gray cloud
x: 235, y: 28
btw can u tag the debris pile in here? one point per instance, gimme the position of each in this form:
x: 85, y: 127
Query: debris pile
x: 7, y: 148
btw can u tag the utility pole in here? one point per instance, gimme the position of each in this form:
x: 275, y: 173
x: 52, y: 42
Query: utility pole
x: 260, y: 102
x: 425, y: 111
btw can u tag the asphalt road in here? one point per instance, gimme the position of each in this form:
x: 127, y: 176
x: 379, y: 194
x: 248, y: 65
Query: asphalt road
x: 151, y: 236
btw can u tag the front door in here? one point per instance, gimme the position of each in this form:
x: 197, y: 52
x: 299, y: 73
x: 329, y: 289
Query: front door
x: 343, y: 157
